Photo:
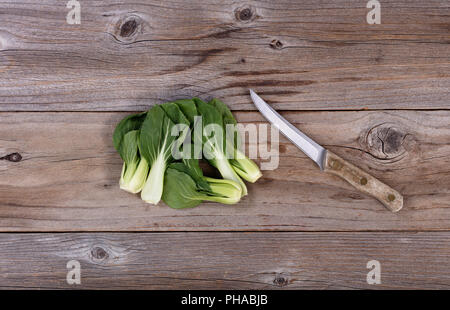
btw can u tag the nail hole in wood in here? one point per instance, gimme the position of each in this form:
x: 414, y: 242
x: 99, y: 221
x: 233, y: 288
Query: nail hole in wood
x: 363, y: 181
x: 391, y: 197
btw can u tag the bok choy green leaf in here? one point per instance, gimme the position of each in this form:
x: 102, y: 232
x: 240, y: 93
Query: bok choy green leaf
x: 128, y: 123
x: 157, y: 144
x: 182, y: 191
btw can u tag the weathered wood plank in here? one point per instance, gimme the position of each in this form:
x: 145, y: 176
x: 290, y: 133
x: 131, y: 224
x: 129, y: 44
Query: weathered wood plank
x: 67, y: 179
x: 301, y: 55
x: 226, y: 260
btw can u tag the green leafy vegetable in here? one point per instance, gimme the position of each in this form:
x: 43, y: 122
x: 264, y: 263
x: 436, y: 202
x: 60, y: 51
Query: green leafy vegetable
x: 129, y: 123
x: 135, y: 169
x: 187, y: 106
x: 214, y: 141
x: 160, y: 165
x: 125, y: 140
x: 182, y: 191
x: 157, y: 144
x: 245, y: 167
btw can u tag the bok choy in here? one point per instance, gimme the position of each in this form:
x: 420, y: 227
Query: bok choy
x: 158, y: 163
x: 214, y: 142
x: 157, y: 143
x: 126, y: 141
x: 135, y: 168
x: 244, y: 166
x: 182, y: 191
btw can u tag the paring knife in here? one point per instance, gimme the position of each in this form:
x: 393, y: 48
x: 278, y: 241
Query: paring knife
x: 330, y: 162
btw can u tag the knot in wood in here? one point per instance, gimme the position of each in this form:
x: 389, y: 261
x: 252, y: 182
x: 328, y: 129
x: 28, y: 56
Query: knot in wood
x: 245, y: 14
x: 280, y: 281
x: 99, y: 254
x: 276, y: 44
x: 13, y: 157
x: 386, y: 141
x: 127, y: 28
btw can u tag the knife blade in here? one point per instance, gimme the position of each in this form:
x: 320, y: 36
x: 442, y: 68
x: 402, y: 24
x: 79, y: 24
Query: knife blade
x: 330, y: 162
x: 313, y: 150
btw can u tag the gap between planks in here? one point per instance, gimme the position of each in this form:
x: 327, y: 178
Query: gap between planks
x: 234, y: 111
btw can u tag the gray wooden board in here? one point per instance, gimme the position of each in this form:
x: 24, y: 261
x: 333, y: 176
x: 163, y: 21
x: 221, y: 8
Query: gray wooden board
x: 300, y: 55
x: 226, y: 260
x: 68, y: 177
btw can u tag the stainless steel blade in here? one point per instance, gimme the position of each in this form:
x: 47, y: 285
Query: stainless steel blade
x: 313, y: 150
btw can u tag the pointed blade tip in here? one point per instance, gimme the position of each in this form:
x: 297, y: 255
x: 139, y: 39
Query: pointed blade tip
x: 254, y: 97
x: 313, y: 150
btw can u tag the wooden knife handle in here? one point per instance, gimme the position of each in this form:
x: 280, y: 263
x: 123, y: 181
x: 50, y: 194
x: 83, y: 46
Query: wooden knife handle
x: 363, y: 181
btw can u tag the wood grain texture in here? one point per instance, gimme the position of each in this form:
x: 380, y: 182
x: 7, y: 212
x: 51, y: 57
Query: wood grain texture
x: 299, y: 55
x: 59, y: 171
x: 364, y: 182
x: 67, y: 179
x: 226, y: 260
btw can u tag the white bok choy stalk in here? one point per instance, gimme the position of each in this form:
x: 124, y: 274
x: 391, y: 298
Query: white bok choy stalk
x: 244, y: 166
x: 135, y: 168
x: 157, y: 144
x: 125, y: 140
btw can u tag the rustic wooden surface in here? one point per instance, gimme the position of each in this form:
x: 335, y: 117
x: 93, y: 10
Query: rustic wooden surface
x: 67, y: 179
x: 376, y: 95
x: 298, y: 54
x: 291, y: 260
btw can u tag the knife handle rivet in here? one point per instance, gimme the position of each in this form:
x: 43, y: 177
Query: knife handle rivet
x: 391, y: 197
x: 363, y: 181
x: 336, y: 165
